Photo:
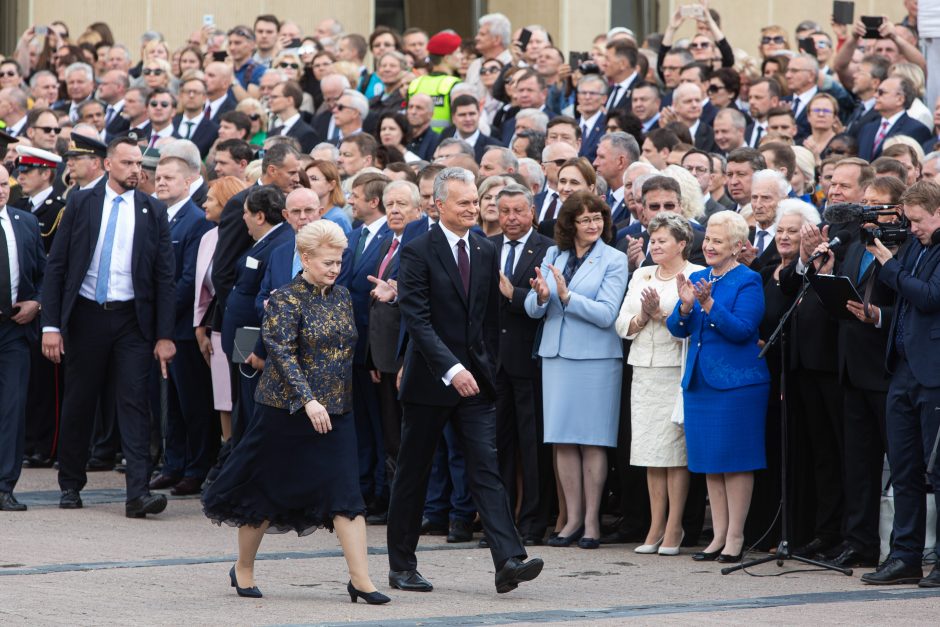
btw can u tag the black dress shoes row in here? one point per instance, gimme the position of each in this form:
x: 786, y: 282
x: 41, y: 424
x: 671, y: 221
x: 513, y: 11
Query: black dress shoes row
x: 409, y: 581
x: 895, y: 571
x: 460, y: 531
x: 516, y: 571
x: 187, y: 486
x: 850, y: 557
x: 430, y: 528
x: 162, y: 482
x: 143, y: 505
x: 70, y: 499
x: 8, y: 503
x: 707, y: 556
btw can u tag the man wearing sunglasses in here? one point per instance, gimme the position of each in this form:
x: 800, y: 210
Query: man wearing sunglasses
x: 160, y: 109
x: 42, y: 128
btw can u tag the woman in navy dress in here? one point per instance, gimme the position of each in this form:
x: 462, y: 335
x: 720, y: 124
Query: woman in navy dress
x: 295, y: 469
x: 726, y: 384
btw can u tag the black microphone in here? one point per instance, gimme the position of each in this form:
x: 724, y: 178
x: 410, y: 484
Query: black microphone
x: 841, y: 238
x: 843, y: 212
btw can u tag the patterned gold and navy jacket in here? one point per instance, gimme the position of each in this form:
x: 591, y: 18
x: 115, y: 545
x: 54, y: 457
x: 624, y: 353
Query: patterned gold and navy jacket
x: 310, y: 337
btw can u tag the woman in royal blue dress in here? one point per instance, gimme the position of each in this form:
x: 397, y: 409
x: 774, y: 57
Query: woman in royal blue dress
x: 725, y: 383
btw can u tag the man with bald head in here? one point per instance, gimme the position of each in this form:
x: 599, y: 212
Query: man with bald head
x: 218, y: 90
x: 423, y: 138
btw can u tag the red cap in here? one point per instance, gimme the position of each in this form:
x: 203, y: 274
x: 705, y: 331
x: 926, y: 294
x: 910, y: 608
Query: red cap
x: 443, y: 43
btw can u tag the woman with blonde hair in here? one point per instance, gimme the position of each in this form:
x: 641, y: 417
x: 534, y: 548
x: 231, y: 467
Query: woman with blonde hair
x: 773, y: 39
x: 259, y: 120
x: 691, y: 199
x: 489, y: 212
x: 158, y: 73
x: 290, y: 64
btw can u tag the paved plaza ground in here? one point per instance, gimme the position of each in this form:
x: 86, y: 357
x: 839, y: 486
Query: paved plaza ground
x: 96, y: 567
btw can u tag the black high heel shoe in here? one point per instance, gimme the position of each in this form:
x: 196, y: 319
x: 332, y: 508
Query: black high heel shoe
x: 372, y: 598
x: 251, y: 592
x: 707, y: 556
x: 566, y: 540
x: 724, y: 558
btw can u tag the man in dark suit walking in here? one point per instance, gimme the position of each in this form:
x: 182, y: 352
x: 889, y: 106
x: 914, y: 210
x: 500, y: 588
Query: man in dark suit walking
x: 518, y: 377
x: 108, y: 310
x: 914, y: 393
x: 448, y: 283
x: 22, y: 261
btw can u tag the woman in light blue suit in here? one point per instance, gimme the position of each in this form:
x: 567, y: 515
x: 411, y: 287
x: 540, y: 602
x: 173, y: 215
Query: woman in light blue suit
x: 578, y: 292
x: 725, y: 384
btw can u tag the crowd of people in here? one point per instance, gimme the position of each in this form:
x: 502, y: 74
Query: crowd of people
x: 468, y: 286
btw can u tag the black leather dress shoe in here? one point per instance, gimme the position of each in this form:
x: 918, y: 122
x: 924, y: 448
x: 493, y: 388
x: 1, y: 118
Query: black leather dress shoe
x: 429, y: 528
x: 143, y: 505
x: 162, y: 482
x: 851, y: 557
x: 515, y: 571
x: 252, y: 592
x: 378, y: 518
x: 99, y: 465
x: 70, y: 499
x: 409, y: 581
x: 460, y: 531
x: 933, y: 579
x: 894, y: 571
x: 622, y: 537
x: 37, y: 461
x: 8, y: 503
x: 707, y: 556
x: 813, y: 548
x: 725, y: 558
x: 372, y: 598
x: 186, y: 487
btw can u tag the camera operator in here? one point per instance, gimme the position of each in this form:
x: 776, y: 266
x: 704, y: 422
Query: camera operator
x: 913, y: 359
x: 862, y: 342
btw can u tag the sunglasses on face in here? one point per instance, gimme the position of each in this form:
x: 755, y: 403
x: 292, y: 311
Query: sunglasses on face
x: 48, y: 129
x: 776, y: 39
x: 822, y: 44
x: 665, y: 206
x: 9, y: 74
x: 490, y: 70
x: 341, y: 107
x: 254, y: 117
x: 702, y: 45
x: 714, y: 89
x: 153, y: 72
x: 160, y: 103
x: 285, y: 65
x: 558, y: 162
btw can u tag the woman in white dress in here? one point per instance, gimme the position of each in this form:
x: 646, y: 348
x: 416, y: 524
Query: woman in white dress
x: 656, y: 356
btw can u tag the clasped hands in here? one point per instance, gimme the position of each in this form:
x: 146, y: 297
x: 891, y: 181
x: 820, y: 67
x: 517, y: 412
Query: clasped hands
x: 540, y: 285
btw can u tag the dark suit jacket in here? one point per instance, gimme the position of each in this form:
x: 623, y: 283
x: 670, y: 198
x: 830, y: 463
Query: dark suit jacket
x: 445, y: 325
x: 919, y: 293
x: 508, y: 128
x: 48, y: 215
x: 233, y: 241
x: 705, y: 138
x: 227, y: 105
x: 904, y: 126
x: 590, y: 141
x: 240, y: 304
x: 770, y: 256
x: 203, y: 135
x: 304, y: 133
x: 186, y: 230
x: 278, y: 274
x: 119, y: 124
x: 31, y: 257
x: 858, y: 119
x: 353, y: 276
x: 153, y: 263
x: 479, y: 147
x: 425, y: 144
x: 385, y: 318
x: 321, y: 124
x: 378, y: 108
x: 813, y: 334
x: 517, y: 330
x: 199, y: 196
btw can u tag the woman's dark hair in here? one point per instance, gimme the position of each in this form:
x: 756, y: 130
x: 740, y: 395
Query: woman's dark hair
x: 681, y: 131
x: 385, y: 155
x: 577, y: 204
x: 851, y: 144
x: 385, y: 30
x: 102, y: 28
x: 403, y: 168
x: 196, y: 51
x: 582, y: 165
x: 401, y: 121
x: 629, y: 123
x: 730, y: 79
x: 269, y: 200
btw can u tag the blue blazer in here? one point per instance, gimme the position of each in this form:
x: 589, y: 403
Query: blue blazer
x: 590, y: 141
x: 584, y: 329
x: 919, y: 293
x: 338, y: 216
x: 186, y: 230
x: 249, y: 271
x: 904, y: 126
x: 354, y: 278
x: 724, y: 343
x: 31, y: 256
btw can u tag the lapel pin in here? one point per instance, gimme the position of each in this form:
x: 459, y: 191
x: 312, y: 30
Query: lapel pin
x: 529, y: 251
x: 16, y: 217
x: 145, y: 210
x: 48, y: 201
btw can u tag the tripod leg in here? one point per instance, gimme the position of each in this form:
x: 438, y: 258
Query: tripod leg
x: 743, y: 565
x: 811, y: 562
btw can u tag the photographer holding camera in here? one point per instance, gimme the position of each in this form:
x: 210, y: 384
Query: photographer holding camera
x: 913, y: 359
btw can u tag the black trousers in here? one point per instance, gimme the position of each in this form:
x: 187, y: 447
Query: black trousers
x: 43, y: 404
x: 390, y: 409
x: 106, y: 348
x: 519, y: 444
x: 192, y: 437
x: 865, y: 446
x: 14, y: 372
x: 822, y: 417
x: 474, y: 420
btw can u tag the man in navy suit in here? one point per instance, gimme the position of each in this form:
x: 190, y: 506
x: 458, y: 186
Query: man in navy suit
x: 872, y: 70
x: 285, y: 100
x: 530, y: 92
x: 220, y: 99
x: 615, y: 153
x: 192, y: 428
x: 263, y: 216
x: 591, y: 117
x: 913, y: 360
x: 465, y: 116
x: 108, y: 311
x: 621, y: 71
x: 22, y: 261
x: 193, y: 123
x: 360, y: 259
x: 893, y: 98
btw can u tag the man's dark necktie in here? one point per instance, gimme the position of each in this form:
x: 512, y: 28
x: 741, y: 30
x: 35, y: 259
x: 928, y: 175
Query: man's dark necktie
x: 510, y: 258
x: 761, y: 241
x: 361, y: 246
x: 6, y: 281
x: 463, y: 265
x: 552, y: 208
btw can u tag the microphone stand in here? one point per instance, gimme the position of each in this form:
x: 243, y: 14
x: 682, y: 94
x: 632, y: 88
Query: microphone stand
x: 783, y: 549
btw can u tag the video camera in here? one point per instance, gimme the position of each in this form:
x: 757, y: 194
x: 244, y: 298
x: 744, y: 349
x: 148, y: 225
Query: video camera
x: 890, y: 233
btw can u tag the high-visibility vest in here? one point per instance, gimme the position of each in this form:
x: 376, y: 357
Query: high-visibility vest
x: 438, y: 87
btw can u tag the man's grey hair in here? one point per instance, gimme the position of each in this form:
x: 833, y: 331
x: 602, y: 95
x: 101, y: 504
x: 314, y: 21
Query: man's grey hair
x: 539, y: 118
x: 450, y: 174
x: 684, y: 55
x: 91, y: 102
x: 595, y: 79
x: 477, y: 90
x: 515, y: 189
x: 737, y: 118
x: 623, y: 142
x: 532, y: 171
x: 783, y: 188
x: 499, y: 25
x: 185, y: 151
x: 333, y: 150
x: 17, y: 97
x: 329, y: 79
x: 465, y: 148
x: 640, y: 181
x: 639, y: 165
x: 600, y: 186
x: 507, y: 160
x: 34, y: 79
x: 359, y: 102
x: 413, y: 192
x: 930, y: 156
x: 813, y: 62
x: 150, y: 35
x: 722, y: 161
x: 124, y: 49
x: 276, y: 73
x: 78, y: 66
